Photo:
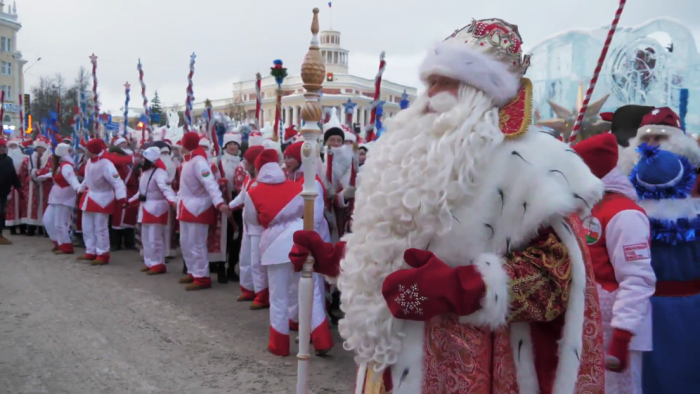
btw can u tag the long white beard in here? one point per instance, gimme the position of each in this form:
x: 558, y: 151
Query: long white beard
x: 681, y: 145
x: 230, y: 162
x: 342, y: 160
x: 44, y: 159
x: 423, y: 165
x: 170, y: 166
x: 17, y: 158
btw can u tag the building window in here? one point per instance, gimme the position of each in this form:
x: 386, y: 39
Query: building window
x: 328, y: 57
x: 8, y: 92
x: 335, y: 57
x: 6, y: 44
x: 6, y: 68
x: 7, y: 119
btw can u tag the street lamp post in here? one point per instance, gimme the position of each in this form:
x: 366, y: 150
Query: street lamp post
x: 32, y: 65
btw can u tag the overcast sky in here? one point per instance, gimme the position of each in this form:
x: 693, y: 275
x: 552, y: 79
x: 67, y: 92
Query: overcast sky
x: 234, y: 39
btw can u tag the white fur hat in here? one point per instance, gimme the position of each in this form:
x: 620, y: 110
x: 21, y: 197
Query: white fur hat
x: 41, y: 142
x: 119, y: 141
x: 62, y: 150
x: 333, y: 121
x: 350, y: 137
x: 232, y: 137
x: 152, y: 154
x: 15, y: 141
x: 205, y: 142
x: 255, y: 139
x: 486, y: 54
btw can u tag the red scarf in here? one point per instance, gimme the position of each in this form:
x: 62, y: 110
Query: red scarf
x: 197, y: 152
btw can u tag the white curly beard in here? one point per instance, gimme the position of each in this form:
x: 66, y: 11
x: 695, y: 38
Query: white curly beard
x: 422, y: 165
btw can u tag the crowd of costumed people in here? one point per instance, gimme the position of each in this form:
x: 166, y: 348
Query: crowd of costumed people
x: 469, y: 251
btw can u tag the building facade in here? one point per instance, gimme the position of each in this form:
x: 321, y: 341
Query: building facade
x: 339, y: 86
x: 11, y: 66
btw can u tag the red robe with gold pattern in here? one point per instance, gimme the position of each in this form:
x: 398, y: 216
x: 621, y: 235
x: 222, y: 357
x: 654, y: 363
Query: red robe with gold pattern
x: 36, y: 191
x: 126, y: 217
x: 216, y: 239
x: 16, y: 207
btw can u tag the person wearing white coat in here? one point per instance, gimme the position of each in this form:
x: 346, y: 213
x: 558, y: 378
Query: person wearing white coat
x: 104, y: 190
x: 277, y: 206
x: 253, y: 276
x: 618, y: 241
x: 156, y: 197
x: 198, y: 199
x: 58, y: 215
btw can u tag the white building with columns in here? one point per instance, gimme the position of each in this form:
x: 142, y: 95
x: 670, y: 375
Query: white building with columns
x: 339, y: 86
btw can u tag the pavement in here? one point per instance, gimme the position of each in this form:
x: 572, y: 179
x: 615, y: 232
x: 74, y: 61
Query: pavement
x: 69, y: 328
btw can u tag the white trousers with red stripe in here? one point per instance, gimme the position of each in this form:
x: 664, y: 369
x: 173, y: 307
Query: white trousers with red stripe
x: 246, y: 273
x: 258, y: 271
x: 317, y: 317
x: 283, y: 306
x: 193, y: 241
x: 153, y: 242
x: 57, y: 221
x: 96, y: 233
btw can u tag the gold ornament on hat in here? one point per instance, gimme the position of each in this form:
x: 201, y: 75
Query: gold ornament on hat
x: 498, y: 39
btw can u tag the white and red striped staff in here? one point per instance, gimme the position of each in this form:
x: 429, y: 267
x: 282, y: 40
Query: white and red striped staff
x: 146, y: 112
x: 96, y: 114
x: 369, y: 137
x: 190, y: 95
x: 596, y: 73
x: 258, y: 99
x: 21, y: 116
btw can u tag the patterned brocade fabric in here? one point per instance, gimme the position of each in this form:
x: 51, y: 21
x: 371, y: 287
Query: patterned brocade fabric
x: 541, y: 277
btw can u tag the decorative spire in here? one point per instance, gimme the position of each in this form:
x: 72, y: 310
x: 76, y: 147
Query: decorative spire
x: 313, y: 73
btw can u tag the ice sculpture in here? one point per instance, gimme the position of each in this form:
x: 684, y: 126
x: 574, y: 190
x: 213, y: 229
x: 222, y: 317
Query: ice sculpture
x: 647, y: 64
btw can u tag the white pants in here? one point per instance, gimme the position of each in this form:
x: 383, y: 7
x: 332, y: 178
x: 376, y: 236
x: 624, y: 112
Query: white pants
x: 153, y: 242
x: 628, y: 381
x: 57, y: 221
x: 281, y: 278
x: 246, y: 273
x: 259, y: 272
x: 96, y: 233
x: 317, y: 317
x: 193, y: 241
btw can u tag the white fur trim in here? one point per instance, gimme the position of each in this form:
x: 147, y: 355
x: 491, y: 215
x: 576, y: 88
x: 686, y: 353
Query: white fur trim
x: 521, y: 345
x: 255, y: 140
x: 119, y: 141
x: 571, y: 341
x: 62, y: 150
x: 232, y: 137
x: 658, y: 130
x: 407, y: 371
x: 350, y: 136
x: 459, y: 61
x: 152, y: 154
x: 40, y: 144
x: 670, y: 209
x: 494, y: 305
x: 205, y: 142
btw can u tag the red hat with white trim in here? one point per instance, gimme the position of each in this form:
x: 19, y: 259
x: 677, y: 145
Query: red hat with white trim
x: 599, y: 152
x: 255, y: 138
x: 232, y: 137
x: 290, y: 133
x: 660, y: 121
x: 41, y: 142
x: 267, y: 156
x: 294, y: 151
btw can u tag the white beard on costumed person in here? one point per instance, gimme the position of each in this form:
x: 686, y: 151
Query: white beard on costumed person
x: 170, y: 166
x: 417, y: 148
x: 17, y: 157
x: 679, y: 144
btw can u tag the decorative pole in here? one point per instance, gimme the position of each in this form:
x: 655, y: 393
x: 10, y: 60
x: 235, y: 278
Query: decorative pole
x: 313, y: 73
x: 349, y: 110
x: 682, y: 110
x: 96, y: 114
x: 146, y: 112
x: 258, y: 99
x: 21, y: 116
x: 280, y: 73
x: 369, y: 137
x: 190, y: 95
x: 2, y: 110
x: 127, y: 89
x: 596, y: 73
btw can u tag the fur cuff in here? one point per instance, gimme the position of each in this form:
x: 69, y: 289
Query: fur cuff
x: 461, y: 62
x: 494, y: 305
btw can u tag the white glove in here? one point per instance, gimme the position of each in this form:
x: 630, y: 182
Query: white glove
x: 349, y: 193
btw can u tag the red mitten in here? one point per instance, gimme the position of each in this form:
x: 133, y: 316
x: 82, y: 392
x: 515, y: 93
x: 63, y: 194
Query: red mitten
x: 222, y: 181
x: 432, y: 288
x: 326, y: 256
x: 618, y: 356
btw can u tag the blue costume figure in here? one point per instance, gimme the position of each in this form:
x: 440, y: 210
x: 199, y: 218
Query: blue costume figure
x: 663, y: 181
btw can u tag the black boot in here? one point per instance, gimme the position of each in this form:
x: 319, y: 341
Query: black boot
x: 79, y: 242
x: 13, y: 230
x: 115, y: 241
x: 220, y: 269
x: 22, y: 229
x: 231, y: 273
x: 129, y: 239
x: 184, y: 267
x: 31, y: 230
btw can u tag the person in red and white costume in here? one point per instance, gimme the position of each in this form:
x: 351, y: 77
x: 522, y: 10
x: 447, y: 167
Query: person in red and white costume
x: 276, y: 205
x: 36, y: 191
x: 253, y: 276
x: 467, y: 268
x: 104, y: 191
x: 618, y: 240
x: 199, y: 197
x: 124, y: 219
x: 154, y: 197
x: 337, y: 173
x: 80, y: 172
x: 58, y: 216
x: 292, y: 160
x: 16, y: 206
x: 230, y: 160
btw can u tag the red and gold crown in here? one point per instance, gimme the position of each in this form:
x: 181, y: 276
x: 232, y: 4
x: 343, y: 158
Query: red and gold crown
x: 498, y: 39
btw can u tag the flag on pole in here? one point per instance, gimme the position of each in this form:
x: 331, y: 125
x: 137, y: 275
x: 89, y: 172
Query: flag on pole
x: 329, y: 4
